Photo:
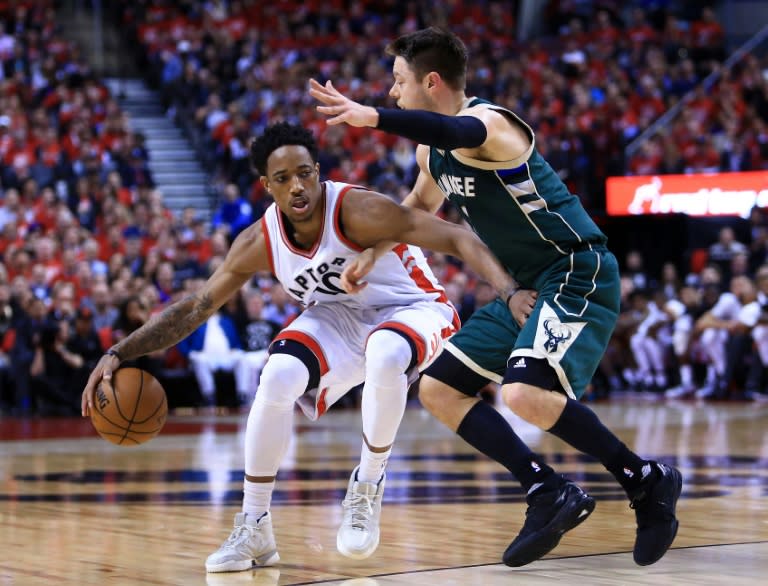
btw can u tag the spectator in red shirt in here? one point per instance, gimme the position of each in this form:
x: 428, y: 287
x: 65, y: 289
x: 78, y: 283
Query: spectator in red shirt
x: 46, y: 254
x: 199, y: 245
x: 707, y: 36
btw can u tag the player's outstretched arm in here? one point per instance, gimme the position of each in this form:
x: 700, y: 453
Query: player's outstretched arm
x: 463, y: 131
x: 425, y: 195
x: 370, y: 218
x: 340, y: 108
x: 247, y: 255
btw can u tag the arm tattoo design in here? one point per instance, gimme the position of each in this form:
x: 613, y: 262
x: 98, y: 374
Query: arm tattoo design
x: 174, y: 324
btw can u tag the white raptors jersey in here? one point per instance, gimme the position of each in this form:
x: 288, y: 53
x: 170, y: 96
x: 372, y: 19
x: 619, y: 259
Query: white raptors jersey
x: 400, y: 277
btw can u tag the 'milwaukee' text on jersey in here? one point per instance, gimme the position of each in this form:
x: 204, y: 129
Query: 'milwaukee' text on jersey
x: 521, y: 208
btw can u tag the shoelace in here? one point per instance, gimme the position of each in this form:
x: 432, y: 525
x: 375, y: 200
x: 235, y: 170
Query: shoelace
x: 239, y: 534
x: 360, y: 509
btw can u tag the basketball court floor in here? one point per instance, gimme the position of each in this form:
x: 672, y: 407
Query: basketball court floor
x: 75, y: 509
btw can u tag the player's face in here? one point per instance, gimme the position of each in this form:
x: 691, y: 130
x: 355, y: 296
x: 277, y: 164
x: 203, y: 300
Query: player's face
x: 293, y: 179
x: 409, y: 91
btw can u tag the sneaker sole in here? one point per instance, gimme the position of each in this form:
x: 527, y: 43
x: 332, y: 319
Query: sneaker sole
x: 679, y: 478
x: 545, y: 540
x: 268, y: 559
x: 356, y: 555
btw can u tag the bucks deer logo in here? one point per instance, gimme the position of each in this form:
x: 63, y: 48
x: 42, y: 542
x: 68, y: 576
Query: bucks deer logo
x: 553, y: 336
x: 556, y: 333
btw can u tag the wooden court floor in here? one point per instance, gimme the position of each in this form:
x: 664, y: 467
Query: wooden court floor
x: 77, y: 510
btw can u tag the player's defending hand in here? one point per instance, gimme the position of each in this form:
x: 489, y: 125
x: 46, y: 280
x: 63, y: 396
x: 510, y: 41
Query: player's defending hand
x: 340, y: 107
x: 521, y: 304
x: 360, y: 266
x: 102, y: 373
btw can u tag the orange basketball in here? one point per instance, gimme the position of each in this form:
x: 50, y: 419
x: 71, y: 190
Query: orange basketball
x: 134, y: 413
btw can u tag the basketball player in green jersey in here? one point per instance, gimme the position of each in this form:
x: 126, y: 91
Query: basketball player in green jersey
x: 483, y: 158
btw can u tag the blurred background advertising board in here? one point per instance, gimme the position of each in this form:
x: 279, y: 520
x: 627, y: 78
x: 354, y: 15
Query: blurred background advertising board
x: 709, y: 194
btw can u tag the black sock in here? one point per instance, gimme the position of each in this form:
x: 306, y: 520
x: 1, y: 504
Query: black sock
x: 487, y: 431
x: 580, y: 427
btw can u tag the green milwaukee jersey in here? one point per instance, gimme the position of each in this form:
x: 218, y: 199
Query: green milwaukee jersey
x: 520, y: 209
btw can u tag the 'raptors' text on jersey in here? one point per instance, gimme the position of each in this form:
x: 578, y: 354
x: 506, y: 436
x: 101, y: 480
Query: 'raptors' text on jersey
x: 400, y: 277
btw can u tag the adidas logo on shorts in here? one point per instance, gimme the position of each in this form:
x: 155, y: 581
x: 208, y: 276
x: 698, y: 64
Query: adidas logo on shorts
x: 519, y: 364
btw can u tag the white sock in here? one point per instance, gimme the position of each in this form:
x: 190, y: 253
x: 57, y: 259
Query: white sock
x: 686, y: 375
x: 257, y: 496
x: 372, y: 464
x: 711, y: 374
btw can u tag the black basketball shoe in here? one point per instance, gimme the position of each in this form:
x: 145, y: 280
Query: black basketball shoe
x: 654, y: 506
x: 550, y: 514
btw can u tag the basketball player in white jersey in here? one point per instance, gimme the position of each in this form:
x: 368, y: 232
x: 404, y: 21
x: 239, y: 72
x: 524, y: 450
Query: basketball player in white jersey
x: 715, y: 328
x: 759, y: 323
x: 382, y: 335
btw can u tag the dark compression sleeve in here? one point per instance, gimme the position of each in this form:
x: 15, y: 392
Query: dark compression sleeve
x: 430, y: 128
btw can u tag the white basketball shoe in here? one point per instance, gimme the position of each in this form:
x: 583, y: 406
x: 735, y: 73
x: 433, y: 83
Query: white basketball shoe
x: 251, y: 544
x: 358, y: 536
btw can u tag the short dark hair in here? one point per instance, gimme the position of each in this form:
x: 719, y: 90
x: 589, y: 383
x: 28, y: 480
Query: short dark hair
x: 277, y: 135
x: 433, y: 49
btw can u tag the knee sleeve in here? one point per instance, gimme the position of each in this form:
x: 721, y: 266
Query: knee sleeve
x: 270, y: 422
x: 388, y: 354
x: 283, y: 380
x: 453, y: 373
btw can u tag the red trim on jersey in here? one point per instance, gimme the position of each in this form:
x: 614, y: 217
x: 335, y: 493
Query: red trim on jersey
x: 416, y: 274
x: 307, y: 341
x: 337, y: 220
x: 287, y: 241
x: 421, y: 280
x: 320, y: 404
x: 455, y: 323
x: 265, y: 232
x: 446, y: 333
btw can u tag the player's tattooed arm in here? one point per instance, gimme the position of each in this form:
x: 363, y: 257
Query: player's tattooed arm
x: 169, y: 327
x: 247, y: 255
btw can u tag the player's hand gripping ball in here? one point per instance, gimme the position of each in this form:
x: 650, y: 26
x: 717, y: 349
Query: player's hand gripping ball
x: 134, y: 413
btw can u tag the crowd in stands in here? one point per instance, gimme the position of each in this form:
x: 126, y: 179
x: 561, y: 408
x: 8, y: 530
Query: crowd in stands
x: 87, y: 248
x: 703, y: 334
x: 598, y: 75
x: 89, y: 251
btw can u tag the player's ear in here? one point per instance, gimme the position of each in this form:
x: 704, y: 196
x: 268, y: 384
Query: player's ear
x: 264, y: 182
x: 432, y: 78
